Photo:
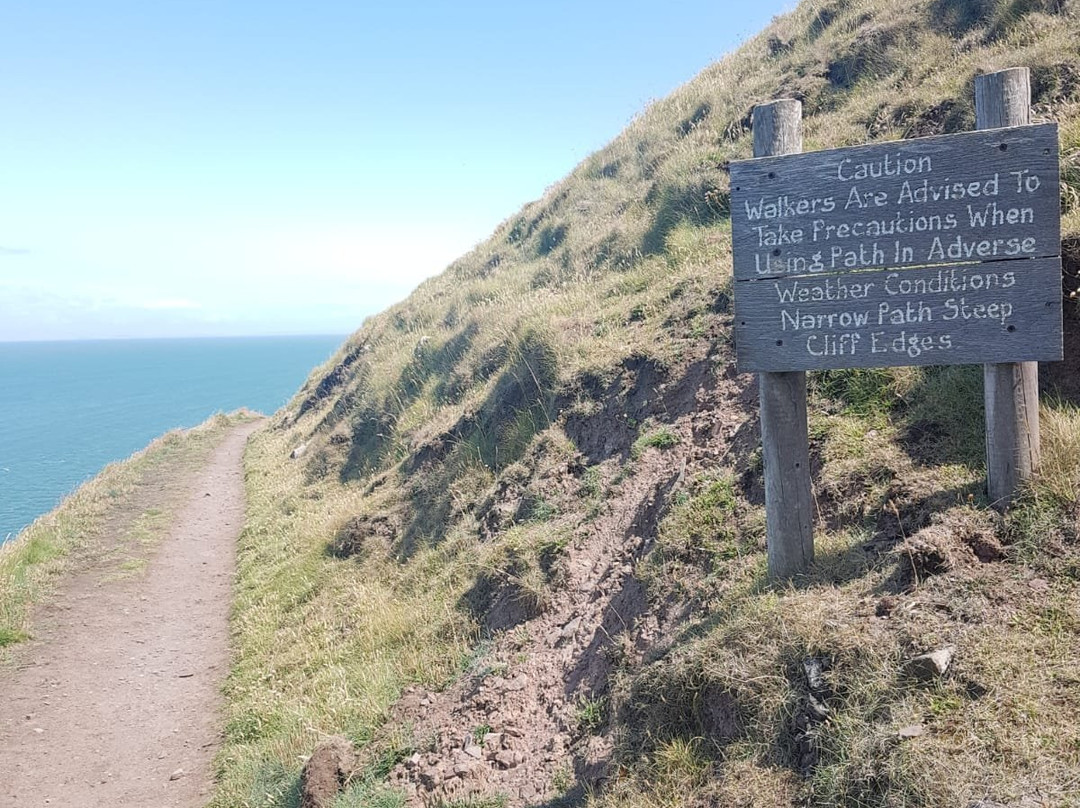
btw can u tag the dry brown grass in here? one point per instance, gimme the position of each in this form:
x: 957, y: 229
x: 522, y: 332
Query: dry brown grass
x: 1059, y: 474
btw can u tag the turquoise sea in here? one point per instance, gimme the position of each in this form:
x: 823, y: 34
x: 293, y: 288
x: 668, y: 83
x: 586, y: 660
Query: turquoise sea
x: 69, y: 408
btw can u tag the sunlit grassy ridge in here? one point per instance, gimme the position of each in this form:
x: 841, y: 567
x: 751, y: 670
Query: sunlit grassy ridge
x: 587, y: 327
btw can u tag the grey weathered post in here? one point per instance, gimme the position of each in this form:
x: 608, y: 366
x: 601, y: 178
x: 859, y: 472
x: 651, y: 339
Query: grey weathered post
x: 777, y: 128
x: 1010, y: 390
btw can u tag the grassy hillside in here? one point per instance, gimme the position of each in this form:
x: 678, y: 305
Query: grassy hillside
x: 509, y: 541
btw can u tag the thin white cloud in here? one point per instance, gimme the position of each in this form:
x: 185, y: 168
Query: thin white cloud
x: 168, y: 303
x: 6, y: 251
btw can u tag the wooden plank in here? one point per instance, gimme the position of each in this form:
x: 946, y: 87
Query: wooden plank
x: 967, y: 197
x: 1010, y: 391
x: 785, y: 444
x: 1001, y: 311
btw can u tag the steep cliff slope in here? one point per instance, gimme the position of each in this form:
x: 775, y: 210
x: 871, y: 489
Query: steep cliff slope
x: 509, y: 541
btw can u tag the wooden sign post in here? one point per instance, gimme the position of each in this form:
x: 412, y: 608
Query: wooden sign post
x: 789, y: 526
x: 940, y: 250
x: 1010, y: 390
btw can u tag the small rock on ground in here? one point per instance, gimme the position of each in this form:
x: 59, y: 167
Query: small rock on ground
x: 932, y: 665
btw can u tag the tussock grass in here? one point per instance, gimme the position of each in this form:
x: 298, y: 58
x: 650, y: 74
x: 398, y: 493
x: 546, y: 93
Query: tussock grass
x: 103, y: 524
x: 660, y: 437
x: 525, y: 559
x: 1059, y: 473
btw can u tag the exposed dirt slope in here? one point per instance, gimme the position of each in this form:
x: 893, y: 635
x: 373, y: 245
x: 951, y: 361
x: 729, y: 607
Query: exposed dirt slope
x: 522, y: 720
x: 114, y: 702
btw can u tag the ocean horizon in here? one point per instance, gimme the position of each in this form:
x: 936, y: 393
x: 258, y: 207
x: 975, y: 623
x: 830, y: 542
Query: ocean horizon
x: 70, y: 407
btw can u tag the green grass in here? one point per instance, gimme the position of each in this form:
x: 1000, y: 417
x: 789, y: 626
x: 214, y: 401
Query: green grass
x: 591, y: 714
x: 710, y: 523
x: 367, y: 789
x: 9, y: 636
x: 496, y: 801
x: 659, y: 438
x: 562, y: 780
x: 864, y: 391
x: 366, y: 795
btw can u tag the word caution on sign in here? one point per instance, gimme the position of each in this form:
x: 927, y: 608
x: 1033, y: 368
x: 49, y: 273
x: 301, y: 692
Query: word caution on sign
x: 940, y: 250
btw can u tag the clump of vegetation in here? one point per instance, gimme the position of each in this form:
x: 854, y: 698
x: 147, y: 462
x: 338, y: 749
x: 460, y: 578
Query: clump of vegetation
x: 710, y: 523
x: 1059, y: 474
x: 496, y: 801
x: 369, y: 795
x: 10, y: 636
x: 591, y: 714
x: 367, y: 788
x: 523, y: 567
x: 659, y: 438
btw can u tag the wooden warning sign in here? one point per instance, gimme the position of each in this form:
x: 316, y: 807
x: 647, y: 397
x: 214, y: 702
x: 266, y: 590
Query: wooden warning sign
x: 941, y: 250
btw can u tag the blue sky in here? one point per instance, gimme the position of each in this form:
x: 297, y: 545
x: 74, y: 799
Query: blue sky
x: 212, y: 168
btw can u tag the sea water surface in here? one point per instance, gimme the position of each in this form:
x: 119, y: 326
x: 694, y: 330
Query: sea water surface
x: 69, y: 408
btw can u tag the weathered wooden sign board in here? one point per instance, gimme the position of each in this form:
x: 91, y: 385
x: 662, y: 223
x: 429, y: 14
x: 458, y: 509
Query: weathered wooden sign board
x: 940, y: 250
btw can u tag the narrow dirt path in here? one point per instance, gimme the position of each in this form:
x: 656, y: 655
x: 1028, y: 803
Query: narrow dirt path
x: 116, y: 703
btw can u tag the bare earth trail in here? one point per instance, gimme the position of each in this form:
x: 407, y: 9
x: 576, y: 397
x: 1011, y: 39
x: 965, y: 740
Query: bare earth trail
x: 121, y: 689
